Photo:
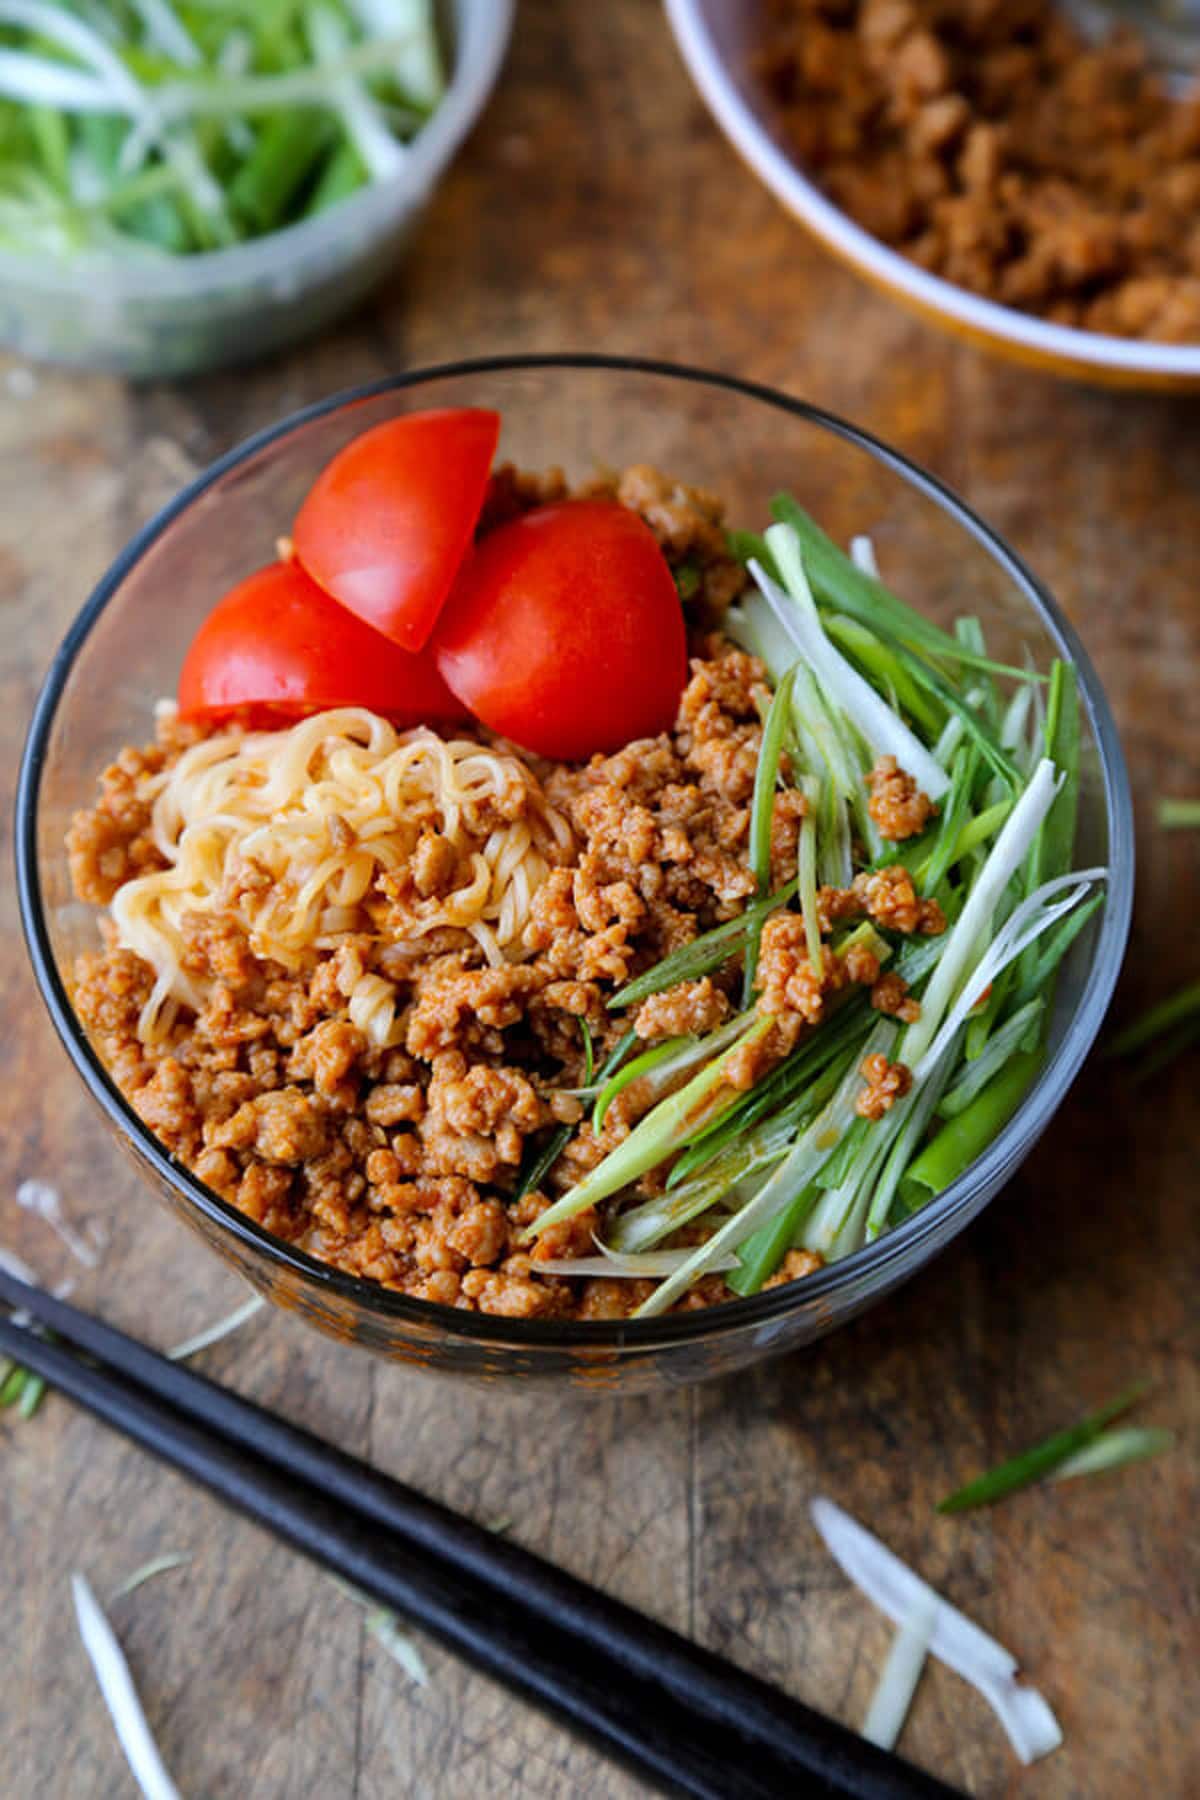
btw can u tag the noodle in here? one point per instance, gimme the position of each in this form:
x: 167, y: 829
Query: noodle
x: 311, y: 833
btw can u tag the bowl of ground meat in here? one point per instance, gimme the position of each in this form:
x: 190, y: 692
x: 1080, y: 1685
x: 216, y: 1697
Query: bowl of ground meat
x: 463, y: 1014
x: 1023, y: 175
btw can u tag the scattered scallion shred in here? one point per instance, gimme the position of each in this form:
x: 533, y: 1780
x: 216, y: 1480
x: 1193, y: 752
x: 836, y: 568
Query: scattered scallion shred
x: 589, y: 1053
x: 1042, y: 1459
x: 12, y: 1377
x: 158, y: 1565
x: 539, y: 1161
x: 223, y: 1328
x: 1171, y: 1026
x: 687, y: 581
x: 155, y: 128
x: 1113, y: 1449
x: 384, y: 1627
x: 954, y: 1639
x: 897, y: 1684
x: 13, y: 1384
x: 758, y: 1155
x: 538, y: 1165
x: 120, y: 1695
x: 762, y: 814
x: 32, y: 1392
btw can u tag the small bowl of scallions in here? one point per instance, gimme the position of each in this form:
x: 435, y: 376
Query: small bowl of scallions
x: 190, y: 183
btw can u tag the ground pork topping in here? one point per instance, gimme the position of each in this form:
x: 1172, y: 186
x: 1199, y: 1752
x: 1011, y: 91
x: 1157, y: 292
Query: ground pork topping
x: 887, y: 896
x: 886, y: 1082
x: 890, y: 995
x: 691, y: 1006
x: 897, y: 805
x: 996, y: 147
x: 795, y: 1264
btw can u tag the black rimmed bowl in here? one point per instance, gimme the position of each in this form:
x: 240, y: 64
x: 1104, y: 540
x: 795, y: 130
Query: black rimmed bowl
x: 583, y: 412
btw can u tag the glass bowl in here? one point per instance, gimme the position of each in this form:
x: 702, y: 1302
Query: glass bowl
x: 716, y: 39
x: 745, y: 442
x: 179, y: 315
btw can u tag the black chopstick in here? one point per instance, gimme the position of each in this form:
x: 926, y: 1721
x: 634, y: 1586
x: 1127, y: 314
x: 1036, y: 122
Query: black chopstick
x: 680, y: 1715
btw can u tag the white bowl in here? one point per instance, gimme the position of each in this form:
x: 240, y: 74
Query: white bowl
x: 716, y: 38
x: 218, y: 307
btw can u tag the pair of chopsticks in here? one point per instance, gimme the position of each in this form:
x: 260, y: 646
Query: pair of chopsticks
x: 681, y: 1717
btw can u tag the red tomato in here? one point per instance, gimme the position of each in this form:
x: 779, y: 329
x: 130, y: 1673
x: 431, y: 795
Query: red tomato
x: 564, y: 631
x: 276, y: 643
x: 387, y: 523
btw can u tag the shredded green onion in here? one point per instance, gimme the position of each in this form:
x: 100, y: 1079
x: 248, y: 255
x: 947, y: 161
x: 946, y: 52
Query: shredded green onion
x: 1032, y: 1465
x: 589, y: 1053
x: 539, y: 1164
x: 1179, y: 815
x: 704, y: 954
x: 1113, y: 1450
x: 787, y: 1162
x: 163, y: 127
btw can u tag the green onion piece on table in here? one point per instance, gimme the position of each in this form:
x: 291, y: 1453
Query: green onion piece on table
x: 158, y: 128
x: 1033, y: 1464
x: 1113, y: 1450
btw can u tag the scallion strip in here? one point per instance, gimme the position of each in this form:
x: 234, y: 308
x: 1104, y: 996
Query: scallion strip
x: 703, y: 955
x: 765, y: 1249
x: 963, y: 1139
x: 840, y: 583
x: 537, y: 1166
x: 589, y: 1052
x: 888, y: 669
x: 1053, y: 947
x: 795, y: 1087
x: 13, y: 1385
x: 677, y: 1051
x: 807, y: 878
x: 877, y: 722
x: 766, y: 781
x: 808, y: 1155
x: 1007, y: 855
x: 1005, y: 1042
x: 1112, y: 1450
x: 954, y: 817
x: 120, y: 1695
x: 662, y: 1131
x: 1178, y: 1009
x: 1031, y: 1465
x: 31, y: 1395
x: 762, y: 815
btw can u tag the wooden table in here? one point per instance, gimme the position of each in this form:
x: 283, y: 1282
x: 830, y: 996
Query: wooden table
x: 597, y: 207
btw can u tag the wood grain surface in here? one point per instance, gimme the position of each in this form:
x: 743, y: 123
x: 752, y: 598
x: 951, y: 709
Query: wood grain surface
x: 596, y: 207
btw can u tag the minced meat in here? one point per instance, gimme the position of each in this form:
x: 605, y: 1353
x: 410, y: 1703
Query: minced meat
x: 996, y: 147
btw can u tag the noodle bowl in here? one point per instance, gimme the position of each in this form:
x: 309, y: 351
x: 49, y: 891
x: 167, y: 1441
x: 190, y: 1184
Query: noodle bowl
x: 311, y: 833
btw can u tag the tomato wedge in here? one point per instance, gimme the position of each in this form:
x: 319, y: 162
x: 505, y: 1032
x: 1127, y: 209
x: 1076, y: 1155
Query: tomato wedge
x: 564, y: 631
x: 277, y: 644
x: 387, y: 523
